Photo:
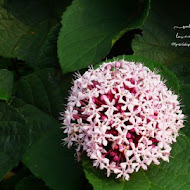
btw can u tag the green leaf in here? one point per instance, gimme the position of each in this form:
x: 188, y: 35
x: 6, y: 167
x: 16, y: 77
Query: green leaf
x: 30, y: 183
x: 39, y: 97
x: 42, y: 90
x: 53, y: 163
x: 185, y: 79
x: 38, y: 122
x: 24, y: 26
x: 5, y: 63
x: 89, y: 29
x: 6, y: 83
x: 166, y: 176
x: 14, y: 138
x: 48, y: 53
x: 185, y: 96
x: 172, y: 81
x: 159, y: 34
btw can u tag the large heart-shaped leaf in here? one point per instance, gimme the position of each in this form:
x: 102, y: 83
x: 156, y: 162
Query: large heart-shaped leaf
x: 159, y: 35
x: 24, y: 26
x: 38, y: 122
x: 39, y: 97
x: 13, y: 138
x: 48, y: 160
x: 89, y: 29
x: 48, y: 52
x: 42, y: 90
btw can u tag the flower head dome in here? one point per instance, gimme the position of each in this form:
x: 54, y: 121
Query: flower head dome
x: 123, y: 116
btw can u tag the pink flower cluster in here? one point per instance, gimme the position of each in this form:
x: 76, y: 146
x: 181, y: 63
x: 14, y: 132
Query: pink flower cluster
x: 123, y: 116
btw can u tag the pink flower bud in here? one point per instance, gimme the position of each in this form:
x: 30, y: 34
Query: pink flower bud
x: 112, y: 153
x: 115, y: 158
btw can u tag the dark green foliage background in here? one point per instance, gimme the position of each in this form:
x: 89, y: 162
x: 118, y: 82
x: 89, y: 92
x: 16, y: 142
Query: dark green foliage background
x: 42, y: 42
